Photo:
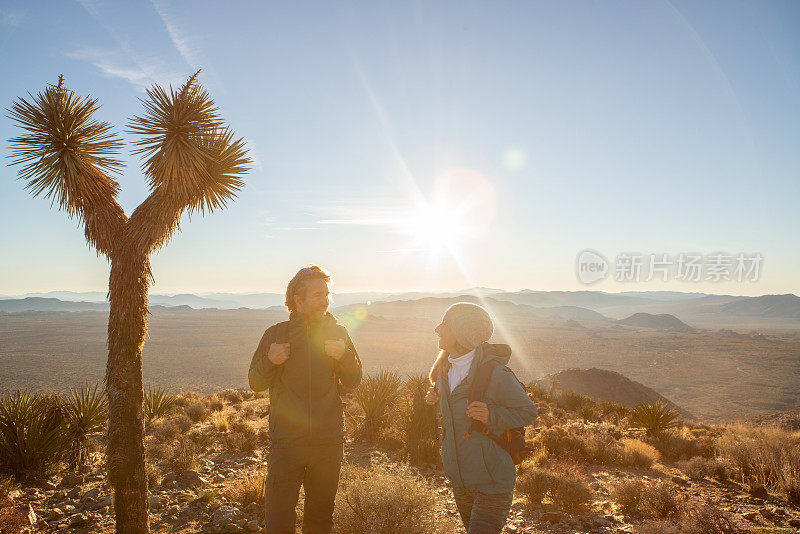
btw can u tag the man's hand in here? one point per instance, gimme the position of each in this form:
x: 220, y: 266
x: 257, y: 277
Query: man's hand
x: 278, y: 353
x: 479, y: 411
x: 433, y: 395
x: 335, y: 348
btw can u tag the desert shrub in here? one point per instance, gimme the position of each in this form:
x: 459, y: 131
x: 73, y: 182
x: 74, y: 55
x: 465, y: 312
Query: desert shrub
x: 572, y: 401
x: 614, y: 412
x: 560, y: 443
x: 32, y: 433
x: 182, y: 422
x: 638, y: 453
x: 247, y: 490
x: 182, y: 456
x: 656, y: 417
x: 764, y: 456
x: 201, y: 440
x: 533, y: 482
x: 214, y: 403
x: 564, y: 485
x: 158, y: 403
x: 683, y: 444
x: 377, y: 396
x: 219, y: 422
x: 247, y: 412
x: 588, y: 412
x: 165, y: 431
x: 184, y: 398
x: 386, y: 500
x: 86, y: 411
x: 157, y: 451
x: 707, y: 519
x: 232, y: 396
x: 197, y: 412
x: 628, y: 494
x: 660, y: 500
x: 698, y: 468
x: 570, y: 490
x: 421, y: 422
x: 241, y: 436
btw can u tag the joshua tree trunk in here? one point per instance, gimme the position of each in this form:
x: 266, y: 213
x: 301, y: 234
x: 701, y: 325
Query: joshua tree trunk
x: 192, y: 162
x: 127, y: 325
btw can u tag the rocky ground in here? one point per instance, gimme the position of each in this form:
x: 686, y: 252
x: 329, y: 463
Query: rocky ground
x: 199, y: 500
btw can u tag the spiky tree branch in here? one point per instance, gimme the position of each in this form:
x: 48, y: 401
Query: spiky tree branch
x: 69, y: 157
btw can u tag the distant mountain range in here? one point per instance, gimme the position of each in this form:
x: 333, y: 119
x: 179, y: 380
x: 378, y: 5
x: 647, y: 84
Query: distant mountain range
x: 697, y: 309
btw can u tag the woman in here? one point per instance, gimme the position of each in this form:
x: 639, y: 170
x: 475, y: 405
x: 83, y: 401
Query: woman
x: 481, y: 472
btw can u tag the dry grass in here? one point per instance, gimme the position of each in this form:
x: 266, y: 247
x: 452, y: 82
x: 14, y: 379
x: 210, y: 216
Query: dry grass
x: 219, y: 422
x: 247, y: 490
x: 658, y: 500
x: 638, y: 453
x: 242, y: 436
x: 698, y: 468
x: 564, y: 485
x: 197, y: 412
x: 182, y: 456
x: 386, y: 500
x: 764, y: 456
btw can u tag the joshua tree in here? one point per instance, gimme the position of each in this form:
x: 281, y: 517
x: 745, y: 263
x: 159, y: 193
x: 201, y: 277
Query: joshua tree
x: 191, y: 162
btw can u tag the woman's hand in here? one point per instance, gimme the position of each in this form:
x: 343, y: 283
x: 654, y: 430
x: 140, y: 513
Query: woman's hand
x: 433, y: 395
x: 479, y: 411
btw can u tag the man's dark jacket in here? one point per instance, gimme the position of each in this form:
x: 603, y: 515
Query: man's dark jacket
x: 305, y: 407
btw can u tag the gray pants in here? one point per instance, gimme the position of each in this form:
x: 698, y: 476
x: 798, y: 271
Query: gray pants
x: 483, y: 513
x: 316, y: 467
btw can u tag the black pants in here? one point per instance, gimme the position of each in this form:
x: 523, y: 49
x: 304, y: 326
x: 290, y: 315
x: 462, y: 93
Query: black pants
x: 316, y: 467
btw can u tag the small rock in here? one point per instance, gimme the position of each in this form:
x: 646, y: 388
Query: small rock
x: 32, y: 519
x: 252, y: 526
x: 552, y: 517
x: 680, y: 481
x: 192, y: 479
x: 77, y: 520
x: 74, y: 492
x: 92, y: 494
x: 71, y: 479
x: 766, y: 513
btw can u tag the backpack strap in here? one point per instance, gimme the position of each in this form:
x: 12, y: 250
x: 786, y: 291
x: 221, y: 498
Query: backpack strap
x: 477, y: 392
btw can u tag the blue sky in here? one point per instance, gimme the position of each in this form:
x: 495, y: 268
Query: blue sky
x: 538, y: 129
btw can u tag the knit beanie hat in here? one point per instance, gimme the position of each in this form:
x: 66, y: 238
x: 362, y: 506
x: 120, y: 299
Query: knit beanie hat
x: 470, y: 323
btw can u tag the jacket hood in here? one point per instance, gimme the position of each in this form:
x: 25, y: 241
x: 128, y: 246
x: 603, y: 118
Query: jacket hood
x: 497, y: 351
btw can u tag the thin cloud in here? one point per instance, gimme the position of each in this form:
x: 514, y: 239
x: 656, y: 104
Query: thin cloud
x: 115, y: 65
x: 12, y: 18
x: 179, y: 40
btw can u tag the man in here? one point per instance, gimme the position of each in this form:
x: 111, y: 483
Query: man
x: 302, y: 362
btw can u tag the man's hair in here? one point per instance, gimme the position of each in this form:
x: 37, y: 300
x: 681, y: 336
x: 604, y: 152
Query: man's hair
x: 298, y: 284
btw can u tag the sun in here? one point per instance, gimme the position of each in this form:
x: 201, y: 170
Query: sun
x: 437, y: 226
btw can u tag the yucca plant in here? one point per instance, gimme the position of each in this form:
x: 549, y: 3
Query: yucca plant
x: 191, y: 162
x: 422, y: 423
x: 377, y: 395
x: 33, y: 439
x: 158, y: 403
x: 86, y: 410
x: 655, y: 417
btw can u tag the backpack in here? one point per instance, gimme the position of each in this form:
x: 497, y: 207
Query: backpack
x: 512, y: 440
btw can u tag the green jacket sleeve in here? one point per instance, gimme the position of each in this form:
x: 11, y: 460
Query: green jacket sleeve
x: 262, y: 371
x: 349, y: 365
x: 509, y: 404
